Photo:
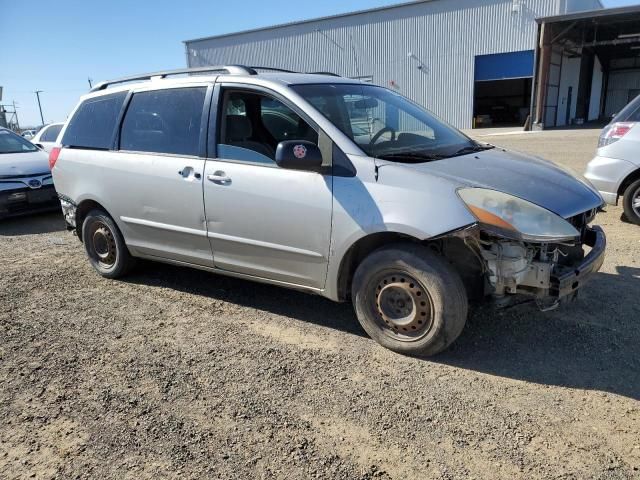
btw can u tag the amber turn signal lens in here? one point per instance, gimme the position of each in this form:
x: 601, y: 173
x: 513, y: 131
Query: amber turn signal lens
x: 489, y: 218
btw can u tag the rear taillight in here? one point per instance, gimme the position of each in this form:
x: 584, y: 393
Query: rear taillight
x: 614, y: 132
x: 53, y: 157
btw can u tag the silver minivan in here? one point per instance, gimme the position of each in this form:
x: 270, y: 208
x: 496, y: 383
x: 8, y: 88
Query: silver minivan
x: 323, y: 184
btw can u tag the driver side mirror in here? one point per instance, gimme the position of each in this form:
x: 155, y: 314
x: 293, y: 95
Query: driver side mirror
x: 298, y: 155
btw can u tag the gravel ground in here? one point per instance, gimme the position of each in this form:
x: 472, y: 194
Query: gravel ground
x: 177, y: 373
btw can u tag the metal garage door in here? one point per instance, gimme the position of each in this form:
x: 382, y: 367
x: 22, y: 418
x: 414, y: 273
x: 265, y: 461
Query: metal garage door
x: 502, y: 66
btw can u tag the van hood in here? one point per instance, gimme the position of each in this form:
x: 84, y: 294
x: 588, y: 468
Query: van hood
x: 530, y: 178
x: 21, y: 164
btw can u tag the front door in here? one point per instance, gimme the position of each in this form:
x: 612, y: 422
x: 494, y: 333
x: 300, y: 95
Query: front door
x: 263, y: 220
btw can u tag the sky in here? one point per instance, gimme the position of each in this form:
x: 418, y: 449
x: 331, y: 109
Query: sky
x: 56, y: 46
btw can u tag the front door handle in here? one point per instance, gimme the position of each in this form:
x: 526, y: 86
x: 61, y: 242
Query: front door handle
x: 219, y: 178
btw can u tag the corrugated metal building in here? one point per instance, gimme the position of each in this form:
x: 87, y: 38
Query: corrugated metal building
x: 466, y: 60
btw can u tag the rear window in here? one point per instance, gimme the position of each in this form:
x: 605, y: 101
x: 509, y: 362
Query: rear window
x: 164, y: 121
x: 51, y: 133
x: 94, y: 122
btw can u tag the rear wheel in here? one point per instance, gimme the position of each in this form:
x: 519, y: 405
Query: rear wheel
x: 409, y: 299
x: 105, y: 246
x: 631, y: 202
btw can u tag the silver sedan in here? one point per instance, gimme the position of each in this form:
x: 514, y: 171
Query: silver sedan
x: 615, y: 171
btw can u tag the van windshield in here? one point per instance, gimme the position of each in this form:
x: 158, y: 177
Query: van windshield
x: 385, y: 124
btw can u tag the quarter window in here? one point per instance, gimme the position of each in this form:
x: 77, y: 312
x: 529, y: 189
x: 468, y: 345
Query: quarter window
x: 93, y: 124
x: 164, y: 121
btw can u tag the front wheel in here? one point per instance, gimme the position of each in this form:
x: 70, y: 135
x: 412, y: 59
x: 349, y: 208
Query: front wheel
x: 409, y: 299
x: 105, y: 246
x: 631, y: 202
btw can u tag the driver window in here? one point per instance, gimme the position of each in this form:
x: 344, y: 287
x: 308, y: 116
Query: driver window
x: 253, y: 124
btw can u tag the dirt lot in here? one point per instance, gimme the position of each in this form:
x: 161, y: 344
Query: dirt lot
x: 175, y: 373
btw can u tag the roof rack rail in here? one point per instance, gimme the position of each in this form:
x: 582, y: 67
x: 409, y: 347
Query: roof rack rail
x: 272, y: 69
x: 230, y: 69
x: 331, y: 74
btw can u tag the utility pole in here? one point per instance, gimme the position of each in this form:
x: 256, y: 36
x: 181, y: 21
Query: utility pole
x: 38, y: 92
x: 15, y: 113
x: 89, y: 80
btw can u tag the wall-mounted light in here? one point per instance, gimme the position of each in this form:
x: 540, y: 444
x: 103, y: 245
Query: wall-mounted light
x: 421, y: 66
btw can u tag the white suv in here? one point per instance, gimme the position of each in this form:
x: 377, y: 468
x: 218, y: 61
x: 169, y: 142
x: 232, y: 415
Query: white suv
x: 46, y: 137
x: 324, y: 184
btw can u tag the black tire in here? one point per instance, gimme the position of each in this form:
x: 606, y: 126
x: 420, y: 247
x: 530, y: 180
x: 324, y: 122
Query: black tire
x: 105, y: 246
x: 409, y: 299
x: 631, y: 196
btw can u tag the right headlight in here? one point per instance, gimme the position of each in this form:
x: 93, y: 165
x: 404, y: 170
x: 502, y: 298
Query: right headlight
x: 515, y: 217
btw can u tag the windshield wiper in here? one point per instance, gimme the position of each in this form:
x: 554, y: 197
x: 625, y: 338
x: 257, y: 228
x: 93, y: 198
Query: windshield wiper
x: 415, y: 156
x: 472, y: 149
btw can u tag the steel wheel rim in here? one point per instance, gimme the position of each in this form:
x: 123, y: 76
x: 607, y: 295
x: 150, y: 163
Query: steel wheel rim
x: 103, y: 245
x: 635, y: 202
x: 402, y: 306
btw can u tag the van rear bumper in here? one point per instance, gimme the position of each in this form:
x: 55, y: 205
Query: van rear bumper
x: 68, y: 211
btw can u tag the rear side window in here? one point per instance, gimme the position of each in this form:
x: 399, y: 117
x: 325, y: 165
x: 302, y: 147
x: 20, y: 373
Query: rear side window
x: 51, y: 133
x: 94, y: 122
x: 635, y: 115
x: 630, y: 113
x: 164, y: 121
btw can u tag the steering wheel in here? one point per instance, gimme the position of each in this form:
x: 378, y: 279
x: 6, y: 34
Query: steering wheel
x: 377, y: 136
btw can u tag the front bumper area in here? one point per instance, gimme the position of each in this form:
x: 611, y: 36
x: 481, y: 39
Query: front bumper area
x: 566, y: 280
x: 546, y: 273
x: 24, y: 201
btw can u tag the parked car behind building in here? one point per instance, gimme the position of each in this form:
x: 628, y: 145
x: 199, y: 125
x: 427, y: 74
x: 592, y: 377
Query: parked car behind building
x: 280, y: 178
x: 28, y: 134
